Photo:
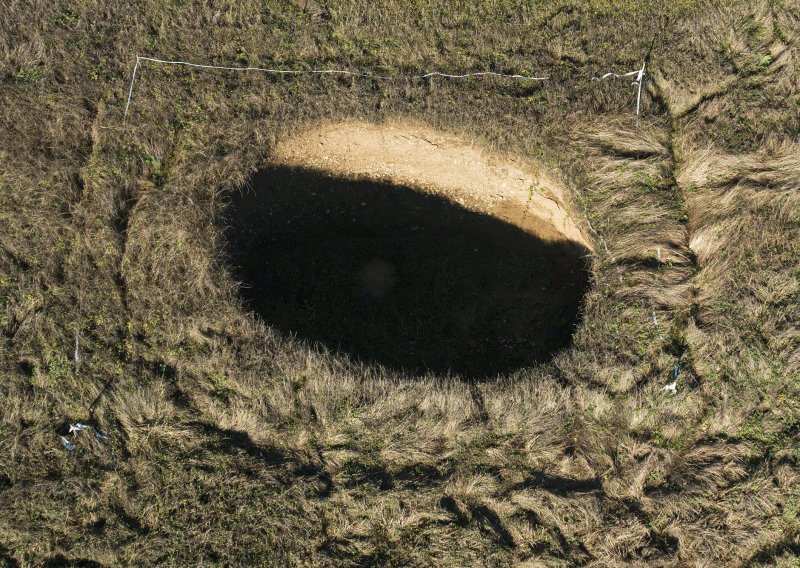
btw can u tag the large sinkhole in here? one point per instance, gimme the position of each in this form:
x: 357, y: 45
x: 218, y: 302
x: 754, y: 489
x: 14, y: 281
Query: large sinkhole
x: 391, y: 273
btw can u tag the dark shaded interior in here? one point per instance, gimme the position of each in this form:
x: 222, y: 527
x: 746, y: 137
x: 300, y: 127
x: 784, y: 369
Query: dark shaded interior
x: 392, y: 275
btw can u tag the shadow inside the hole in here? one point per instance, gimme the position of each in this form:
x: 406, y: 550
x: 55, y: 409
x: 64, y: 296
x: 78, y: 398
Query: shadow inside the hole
x: 393, y: 275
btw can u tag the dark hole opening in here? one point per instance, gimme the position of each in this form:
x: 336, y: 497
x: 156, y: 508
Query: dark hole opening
x: 393, y: 275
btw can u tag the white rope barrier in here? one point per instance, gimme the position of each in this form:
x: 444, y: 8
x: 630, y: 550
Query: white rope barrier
x: 139, y: 59
x: 639, y: 73
x: 480, y: 74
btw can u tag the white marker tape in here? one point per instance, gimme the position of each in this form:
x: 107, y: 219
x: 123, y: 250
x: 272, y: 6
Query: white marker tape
x: 638, y: 82
x: 67, y: 444
x: 77, y: 351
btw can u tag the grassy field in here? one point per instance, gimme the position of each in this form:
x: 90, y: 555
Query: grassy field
x: 232, y: 444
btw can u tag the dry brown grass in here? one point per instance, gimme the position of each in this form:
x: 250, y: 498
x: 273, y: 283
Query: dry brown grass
x: 232, y: 445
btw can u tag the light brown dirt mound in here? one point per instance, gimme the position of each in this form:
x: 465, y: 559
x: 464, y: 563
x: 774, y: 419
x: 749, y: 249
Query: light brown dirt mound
x: 515, y: 190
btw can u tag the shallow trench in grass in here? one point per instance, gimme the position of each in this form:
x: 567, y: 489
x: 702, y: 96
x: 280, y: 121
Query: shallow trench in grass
x: 414, y: 274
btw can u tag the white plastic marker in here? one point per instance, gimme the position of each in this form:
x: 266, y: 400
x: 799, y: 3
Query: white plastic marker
x: 77, y: 427
x: 655, y: 324
x: 638, y: 82
x: 130, y: 91
x: 139, y: 59
x: 673, y: 386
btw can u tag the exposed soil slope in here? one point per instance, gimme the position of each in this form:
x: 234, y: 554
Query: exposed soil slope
x: 416, y: 155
